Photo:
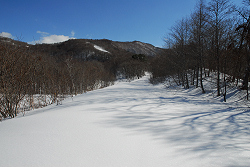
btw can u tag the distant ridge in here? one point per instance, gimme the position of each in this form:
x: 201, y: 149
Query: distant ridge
x: 90, y: 48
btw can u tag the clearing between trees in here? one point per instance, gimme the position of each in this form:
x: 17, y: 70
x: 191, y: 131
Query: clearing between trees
x: 132, y: 124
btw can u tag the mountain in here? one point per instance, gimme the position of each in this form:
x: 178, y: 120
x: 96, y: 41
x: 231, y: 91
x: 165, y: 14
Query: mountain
x: 101, y: 50
x: 5, y: 40
x: 88, y: 49
x: 138, y: 47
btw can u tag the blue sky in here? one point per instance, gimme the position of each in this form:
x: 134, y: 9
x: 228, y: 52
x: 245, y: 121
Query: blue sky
x: 48, y: 21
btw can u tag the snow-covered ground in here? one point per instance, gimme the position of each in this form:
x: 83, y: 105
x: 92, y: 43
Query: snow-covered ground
x: 100, y: 48
x: 132, y: 124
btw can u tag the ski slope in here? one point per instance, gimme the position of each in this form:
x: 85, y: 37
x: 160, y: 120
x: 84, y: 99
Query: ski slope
x: 132, y: 124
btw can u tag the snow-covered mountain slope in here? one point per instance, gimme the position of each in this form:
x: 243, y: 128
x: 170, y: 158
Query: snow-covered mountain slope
x: 100, y: 48
x: 130, y: 124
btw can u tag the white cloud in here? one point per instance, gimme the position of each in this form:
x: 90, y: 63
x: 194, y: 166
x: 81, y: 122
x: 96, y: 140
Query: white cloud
x: 42, y: 33
x: 6, y: 34
x: 72, y: 33
x: 54, y: 39
x: 50, y: 39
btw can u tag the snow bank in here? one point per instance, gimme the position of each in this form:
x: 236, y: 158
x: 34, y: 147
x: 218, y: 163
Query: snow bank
x: 100, y: 48
x: 130, y: 124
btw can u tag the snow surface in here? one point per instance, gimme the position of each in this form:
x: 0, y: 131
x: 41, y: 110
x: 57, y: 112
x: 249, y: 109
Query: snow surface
x: 100, y: 48
x: 132, y: 124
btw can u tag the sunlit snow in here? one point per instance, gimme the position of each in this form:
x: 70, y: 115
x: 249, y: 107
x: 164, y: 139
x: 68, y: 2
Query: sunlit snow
x: 132, y: 124
x: 100, y: 48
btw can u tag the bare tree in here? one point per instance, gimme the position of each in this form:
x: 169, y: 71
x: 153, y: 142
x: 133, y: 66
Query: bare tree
x: 15, y: 80
x: 180, y: 35
x: 245, y: 40
x: 198, y: 34
x: 219, y: 11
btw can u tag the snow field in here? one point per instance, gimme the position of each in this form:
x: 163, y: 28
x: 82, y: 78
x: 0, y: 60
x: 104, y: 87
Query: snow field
x: 100, y: 48
x: 131, y: 124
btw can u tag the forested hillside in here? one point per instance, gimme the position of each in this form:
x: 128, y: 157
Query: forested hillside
x: 215, y: 37
x: 52, y: 71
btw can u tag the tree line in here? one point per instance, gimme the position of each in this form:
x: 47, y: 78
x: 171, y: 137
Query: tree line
x: 27, y: 73
x: 215, y: 37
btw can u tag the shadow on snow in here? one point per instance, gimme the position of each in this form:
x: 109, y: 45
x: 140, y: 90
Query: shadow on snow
x: 185, y: 119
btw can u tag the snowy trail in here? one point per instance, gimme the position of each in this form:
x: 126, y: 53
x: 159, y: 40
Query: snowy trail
x: 130, y: 124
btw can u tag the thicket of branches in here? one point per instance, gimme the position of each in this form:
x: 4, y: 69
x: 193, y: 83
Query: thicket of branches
x: 215, y: 37
x: 27, y: 72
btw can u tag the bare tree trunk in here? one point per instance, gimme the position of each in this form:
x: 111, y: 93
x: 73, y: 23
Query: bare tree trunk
x: 201, y: 80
